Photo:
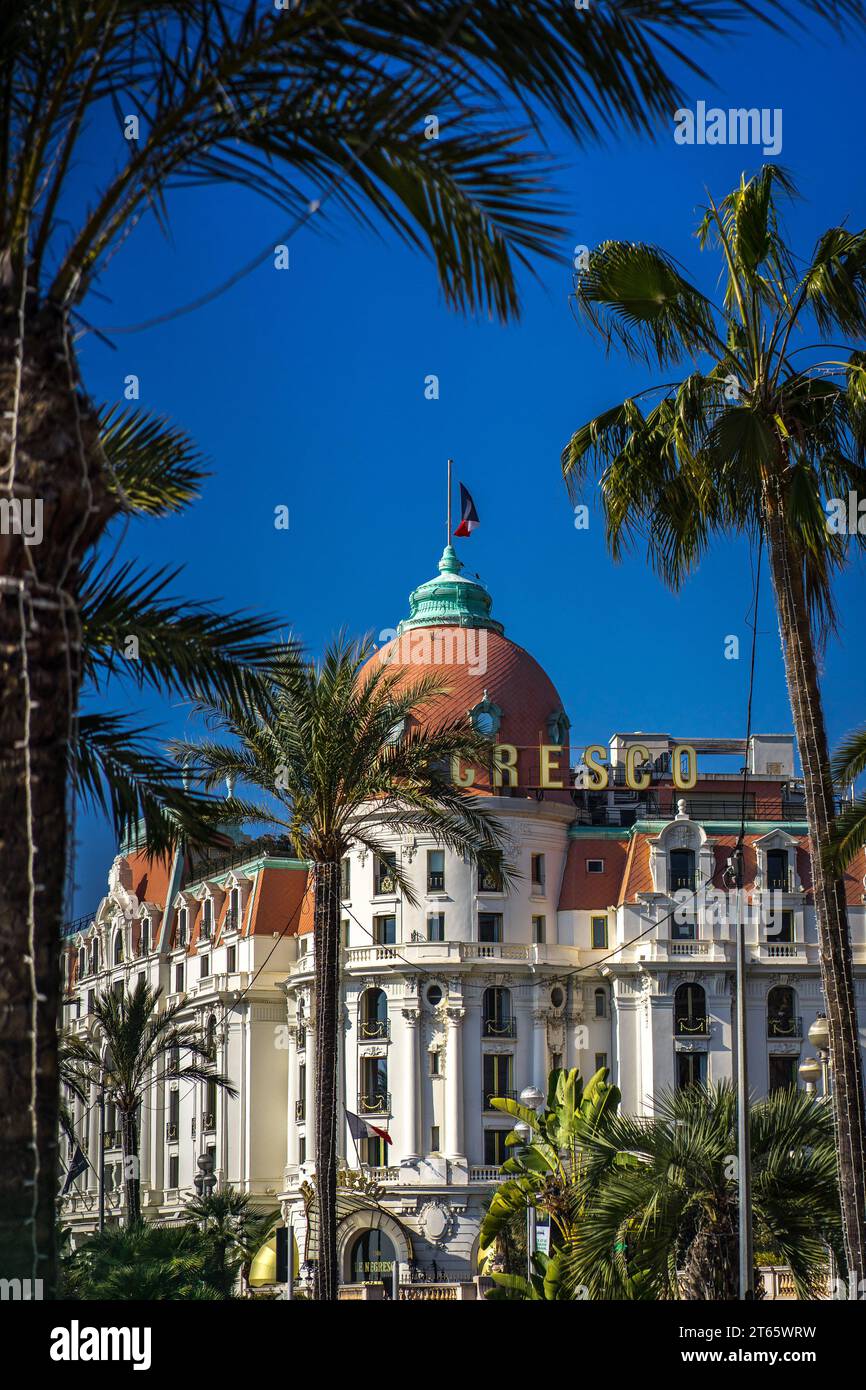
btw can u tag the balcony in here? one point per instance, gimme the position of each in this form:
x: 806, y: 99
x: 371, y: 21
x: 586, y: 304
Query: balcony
x: 300, y: 1111
x: 502, y: 1095
x: 385, y: 886
x: 693, y: 1026
x: 170, y: 1133
x: 374, y: 1028
x: 436, y: 881
x: 112, y: 1139
x: 784, y: 1027
x: 209, y: 1124
x: 494, y: 1028
x: 375, y: 1103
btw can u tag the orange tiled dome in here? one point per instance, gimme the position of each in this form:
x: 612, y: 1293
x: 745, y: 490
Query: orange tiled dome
x: 450, y: 633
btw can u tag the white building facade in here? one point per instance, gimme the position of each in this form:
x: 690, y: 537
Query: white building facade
x: 614, y: 948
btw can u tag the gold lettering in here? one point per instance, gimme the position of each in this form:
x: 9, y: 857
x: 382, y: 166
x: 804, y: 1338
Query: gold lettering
x: 598, y: 774
x: 549, y: 753
x: 637, y: 782
x: 684, y: 750
x: 504, y: 760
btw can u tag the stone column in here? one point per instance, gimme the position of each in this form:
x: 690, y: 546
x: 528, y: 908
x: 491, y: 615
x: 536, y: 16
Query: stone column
x: 292, y: 1096
x: 310, y: 1097
x: 409, y: 1065
x: 454, y: 1085
x: 539, y: 1050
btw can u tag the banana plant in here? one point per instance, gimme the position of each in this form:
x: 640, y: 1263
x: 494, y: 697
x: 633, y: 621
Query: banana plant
x: 547, y: 1172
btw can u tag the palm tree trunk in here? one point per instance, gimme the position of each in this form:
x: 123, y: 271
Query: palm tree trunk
x: 326, y: 944
x: 131, y: 1167
x: 59, y: 503
x: 829, y: 893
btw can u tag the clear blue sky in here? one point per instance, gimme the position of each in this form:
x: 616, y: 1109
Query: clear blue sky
x: 305, y: 388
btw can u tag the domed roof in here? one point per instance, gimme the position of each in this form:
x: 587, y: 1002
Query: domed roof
x: 509, y: 696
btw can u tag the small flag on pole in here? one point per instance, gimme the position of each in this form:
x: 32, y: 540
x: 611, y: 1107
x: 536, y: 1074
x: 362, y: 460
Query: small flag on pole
x: 362, y: 1129
x: 78, y: 1166
x: 468, y: 514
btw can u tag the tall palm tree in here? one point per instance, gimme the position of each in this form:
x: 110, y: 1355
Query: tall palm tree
x: 659, y: 1205
x: 132, y: 634
x: 753, y: 441
x: 304, y: 103
x: 131, y: 1035
x: 324, y: 743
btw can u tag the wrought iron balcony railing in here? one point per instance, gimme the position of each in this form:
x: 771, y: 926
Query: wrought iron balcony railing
x: 503, y: 1028
x: 374, y: 1028
x: 375, y: 1103
x: 784, y: 1027
x: 692, y: 1027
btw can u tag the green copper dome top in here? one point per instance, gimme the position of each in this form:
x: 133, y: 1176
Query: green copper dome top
x: 450, y: 600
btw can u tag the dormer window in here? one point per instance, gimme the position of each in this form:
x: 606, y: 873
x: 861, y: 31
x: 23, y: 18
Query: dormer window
x: 558, y: 727
x: 777, y: 870
x: 682, y: 869
x: 486, y: 717
x: 118, y: 949
x: 94, y: 957
x: 233, y: 917
x: 144, y: 937
x: 207, y: 918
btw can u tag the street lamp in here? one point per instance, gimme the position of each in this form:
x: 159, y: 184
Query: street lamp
x: 809, y: 1071
x: 819, y: 1037
x: 532, y: 1099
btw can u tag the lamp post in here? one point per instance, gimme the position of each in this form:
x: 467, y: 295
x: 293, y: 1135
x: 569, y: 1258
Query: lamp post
x: 744, y: 1155
x: 104, y: 1079
x: 532, y: 1099
x: 819, y: 1037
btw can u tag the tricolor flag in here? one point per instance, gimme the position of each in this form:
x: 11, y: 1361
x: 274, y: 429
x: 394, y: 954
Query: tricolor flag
x: 362, y: 1129
x: 468, y: 514
x: 78, y: 1166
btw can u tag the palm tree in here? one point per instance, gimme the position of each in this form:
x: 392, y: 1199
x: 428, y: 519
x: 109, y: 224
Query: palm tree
x: 301, y: 103
x: 130, y: 1036
x: 849, y: 829
x: 546, y: 1171
x: 752, y: 441
x: 144, y: 1262
x: 324, y: 743
x: 659, y: 1198
x: 132, y: 633
x: 233, y: 1231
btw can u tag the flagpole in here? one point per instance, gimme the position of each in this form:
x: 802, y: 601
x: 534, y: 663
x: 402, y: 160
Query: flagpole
x: 448, y: 512
x: 354, y: 1141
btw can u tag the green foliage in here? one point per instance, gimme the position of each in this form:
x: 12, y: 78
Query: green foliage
x: 658, y: 1201
x: 141, y: 1262
x: 547, y: 1172
x: 764, y: 414
x: 849, y: 828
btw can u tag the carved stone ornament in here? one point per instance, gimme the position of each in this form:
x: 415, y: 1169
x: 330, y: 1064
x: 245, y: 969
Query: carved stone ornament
x: 436, y: 1221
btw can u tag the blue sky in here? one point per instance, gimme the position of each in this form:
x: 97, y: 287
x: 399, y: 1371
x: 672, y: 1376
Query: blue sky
x: 306, y: 388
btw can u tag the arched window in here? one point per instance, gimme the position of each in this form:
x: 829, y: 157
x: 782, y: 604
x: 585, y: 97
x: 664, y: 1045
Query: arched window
x: 782, y: 1021
x: 682, y: 869
x: 690, y: 1011
x: 374, y: 1014
x: 372, y: 1258
x: 600, y: 1004
x: 498, y: 1019
x: 118, y: 948
x: 144, y: 937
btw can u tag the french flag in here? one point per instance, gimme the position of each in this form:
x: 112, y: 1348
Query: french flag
x: 362, y: 1129
x: 468, y: 514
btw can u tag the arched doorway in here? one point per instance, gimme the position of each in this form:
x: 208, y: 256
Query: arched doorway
x: 371, y: 1257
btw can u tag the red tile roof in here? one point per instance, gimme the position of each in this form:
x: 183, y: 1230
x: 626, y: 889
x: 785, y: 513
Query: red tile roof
x: 582, y: 890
